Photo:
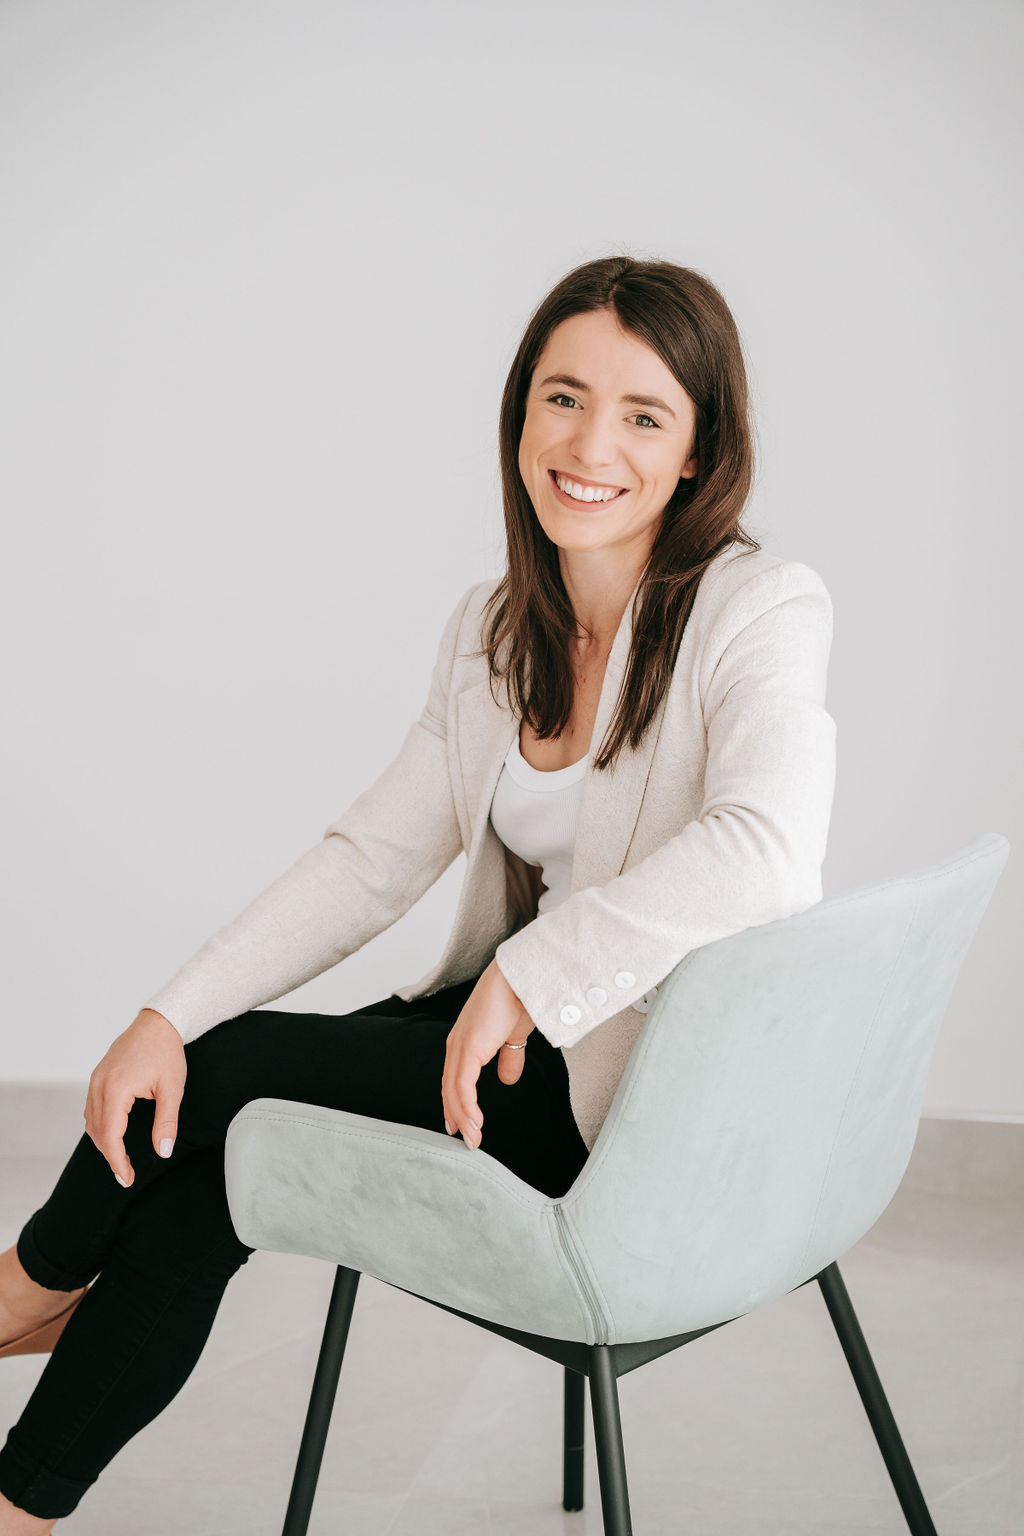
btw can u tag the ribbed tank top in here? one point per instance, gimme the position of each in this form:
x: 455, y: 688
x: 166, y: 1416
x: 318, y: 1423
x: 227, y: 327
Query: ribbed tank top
x: 534, y: 813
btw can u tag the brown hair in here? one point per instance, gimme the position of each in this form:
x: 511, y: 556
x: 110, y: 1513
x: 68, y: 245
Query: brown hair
x: 682, y: 317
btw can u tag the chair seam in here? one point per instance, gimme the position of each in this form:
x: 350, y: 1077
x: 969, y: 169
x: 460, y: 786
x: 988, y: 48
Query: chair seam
x: 566, y: 1267
x: 584, y: 1256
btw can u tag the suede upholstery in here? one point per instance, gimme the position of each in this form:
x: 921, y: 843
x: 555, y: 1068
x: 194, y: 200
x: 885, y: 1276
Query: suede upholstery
x: 763, y: 1122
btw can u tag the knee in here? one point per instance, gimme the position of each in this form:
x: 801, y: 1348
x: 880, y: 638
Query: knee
x: 211, y: 1073
x: 181, y: 1217
x: 214, y: 1075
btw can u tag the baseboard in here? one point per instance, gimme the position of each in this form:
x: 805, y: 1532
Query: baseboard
x: 964, y: 1156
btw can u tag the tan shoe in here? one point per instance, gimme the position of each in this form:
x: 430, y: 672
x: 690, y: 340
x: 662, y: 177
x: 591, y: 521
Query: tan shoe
x: 42, y: 1339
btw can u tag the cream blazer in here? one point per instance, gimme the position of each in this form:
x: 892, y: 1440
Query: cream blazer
x: 718, y: 821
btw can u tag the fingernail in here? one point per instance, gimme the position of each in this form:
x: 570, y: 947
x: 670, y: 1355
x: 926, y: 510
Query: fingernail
x: 447, y: 1127
x: 166, y: 1146
x: 121, y: 1181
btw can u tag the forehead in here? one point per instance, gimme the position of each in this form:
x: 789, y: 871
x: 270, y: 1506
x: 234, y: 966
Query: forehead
x: 598, y: 350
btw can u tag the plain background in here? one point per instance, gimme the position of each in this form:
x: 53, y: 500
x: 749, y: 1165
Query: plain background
x: 265, y: 267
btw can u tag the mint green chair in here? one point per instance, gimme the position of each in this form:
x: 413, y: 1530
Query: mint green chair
x: 764, y: 1121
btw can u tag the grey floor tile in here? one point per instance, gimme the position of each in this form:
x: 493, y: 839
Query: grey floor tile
x: 137, y: 1506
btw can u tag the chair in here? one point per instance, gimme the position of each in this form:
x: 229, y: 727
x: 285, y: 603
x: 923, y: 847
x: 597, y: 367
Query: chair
x: 767, y: 1112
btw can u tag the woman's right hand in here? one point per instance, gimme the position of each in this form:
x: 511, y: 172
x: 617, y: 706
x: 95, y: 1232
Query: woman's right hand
x: 146, y: 1061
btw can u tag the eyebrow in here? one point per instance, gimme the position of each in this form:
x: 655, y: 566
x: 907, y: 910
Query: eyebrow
x: 567, y: 378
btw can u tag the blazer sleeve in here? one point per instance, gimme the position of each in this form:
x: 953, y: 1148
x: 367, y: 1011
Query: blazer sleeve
x: 371, y: 865
x: 754, y: 854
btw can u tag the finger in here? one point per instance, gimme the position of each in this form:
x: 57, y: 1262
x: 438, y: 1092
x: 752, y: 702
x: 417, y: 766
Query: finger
x: 510, y: 1065
x: 459, y: 1113
x: 110, y: 1140
x: 459, y: 1091
x: 165, y: 1116
x: 458, y: 1118
x: 467, y: 1108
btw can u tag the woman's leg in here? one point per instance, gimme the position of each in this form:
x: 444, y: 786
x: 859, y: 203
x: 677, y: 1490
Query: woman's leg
x: 131, y: 1343
x: 165, y: 1248
x: 303, y: 1056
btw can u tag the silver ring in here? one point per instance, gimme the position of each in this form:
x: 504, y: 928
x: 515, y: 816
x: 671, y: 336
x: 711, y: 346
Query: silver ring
x: 507, y: 1047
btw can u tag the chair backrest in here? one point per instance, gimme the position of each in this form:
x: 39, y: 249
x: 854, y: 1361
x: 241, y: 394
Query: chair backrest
x: 771, y: 1102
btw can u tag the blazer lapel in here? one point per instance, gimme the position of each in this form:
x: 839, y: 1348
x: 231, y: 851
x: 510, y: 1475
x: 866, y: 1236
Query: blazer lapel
x: 610, y: 801
x: 609, y: 807
x: 485, y: 732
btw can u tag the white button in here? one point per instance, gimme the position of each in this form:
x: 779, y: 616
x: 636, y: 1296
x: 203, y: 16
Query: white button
x: 642, y: 1003
x: 596, y: 996
x: 625, y: 979
x: 570, y: 1014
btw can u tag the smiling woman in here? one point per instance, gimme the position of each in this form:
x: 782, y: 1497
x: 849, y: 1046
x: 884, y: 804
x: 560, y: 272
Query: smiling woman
x: 594, y: 449
x: 627, y: 457
x: 636, y: 627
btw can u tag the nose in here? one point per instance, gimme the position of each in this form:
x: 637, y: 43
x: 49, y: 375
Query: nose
x: 594, y: 445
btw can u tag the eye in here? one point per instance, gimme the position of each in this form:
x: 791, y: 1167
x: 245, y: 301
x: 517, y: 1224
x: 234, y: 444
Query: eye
x: 640, y: 416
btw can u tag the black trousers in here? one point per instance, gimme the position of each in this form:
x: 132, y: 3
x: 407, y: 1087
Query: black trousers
x: 165, y: 1248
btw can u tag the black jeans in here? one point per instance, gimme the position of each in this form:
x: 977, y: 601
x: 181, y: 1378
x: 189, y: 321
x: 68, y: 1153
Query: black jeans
x: 165, y: 1248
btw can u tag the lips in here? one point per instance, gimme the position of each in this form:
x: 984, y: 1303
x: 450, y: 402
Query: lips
x: 572, y: 501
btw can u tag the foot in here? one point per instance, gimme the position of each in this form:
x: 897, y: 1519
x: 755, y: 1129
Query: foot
x: 24, y: 1305
x: 16, y: 1522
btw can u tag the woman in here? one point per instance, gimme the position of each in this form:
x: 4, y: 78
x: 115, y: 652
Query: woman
x: 654, y: 772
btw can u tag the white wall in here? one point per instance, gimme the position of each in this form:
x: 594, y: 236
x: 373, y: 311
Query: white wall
x: 265, y: 268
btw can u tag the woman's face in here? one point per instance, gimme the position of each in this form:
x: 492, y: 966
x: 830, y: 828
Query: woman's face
x: 603, y: 413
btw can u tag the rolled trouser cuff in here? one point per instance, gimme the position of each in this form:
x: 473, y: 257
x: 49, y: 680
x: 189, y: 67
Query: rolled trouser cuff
x: 32, y: 1487
x: 41, y: 1269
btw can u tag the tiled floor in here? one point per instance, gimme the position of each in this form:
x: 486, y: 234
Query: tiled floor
x: 755, y: 1430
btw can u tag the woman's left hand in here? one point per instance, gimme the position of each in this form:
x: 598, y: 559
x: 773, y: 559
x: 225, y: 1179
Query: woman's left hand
x: 492, y: 1016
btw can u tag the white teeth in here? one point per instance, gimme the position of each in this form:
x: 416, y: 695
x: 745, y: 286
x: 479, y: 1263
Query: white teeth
x: 584, y: 492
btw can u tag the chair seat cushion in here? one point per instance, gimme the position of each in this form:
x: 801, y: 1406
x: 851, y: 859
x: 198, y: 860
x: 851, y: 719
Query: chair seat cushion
x: 410, y: 1206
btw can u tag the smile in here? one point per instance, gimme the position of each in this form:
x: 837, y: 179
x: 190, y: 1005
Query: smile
x: 575, y: 491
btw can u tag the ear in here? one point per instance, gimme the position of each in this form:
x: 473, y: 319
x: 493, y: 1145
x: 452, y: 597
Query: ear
x: 688, y: 470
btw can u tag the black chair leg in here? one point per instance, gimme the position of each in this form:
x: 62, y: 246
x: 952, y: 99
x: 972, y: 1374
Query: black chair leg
x: 572, y: 1439
x: 321, y: 1401
x: 611, y: 1461
x: 879, y: 1413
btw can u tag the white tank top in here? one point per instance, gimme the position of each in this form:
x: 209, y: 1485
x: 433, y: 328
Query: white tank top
x: 534, y: 813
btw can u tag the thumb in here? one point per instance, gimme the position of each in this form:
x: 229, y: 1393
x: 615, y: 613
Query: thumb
x: 165, y: 1118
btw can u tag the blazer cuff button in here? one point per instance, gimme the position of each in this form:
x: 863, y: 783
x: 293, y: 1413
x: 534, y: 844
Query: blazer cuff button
x: 570, y: 1014
x: 625, y: 979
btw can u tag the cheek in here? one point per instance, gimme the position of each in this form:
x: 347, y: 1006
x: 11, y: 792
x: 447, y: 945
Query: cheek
x: 669, y: 466
x: 524, y: 466
x: 531, y: 445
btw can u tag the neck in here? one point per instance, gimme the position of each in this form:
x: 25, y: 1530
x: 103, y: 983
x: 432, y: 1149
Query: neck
x: 600, y: 594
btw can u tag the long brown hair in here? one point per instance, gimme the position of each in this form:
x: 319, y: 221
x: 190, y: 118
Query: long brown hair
x: 682, y: 317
